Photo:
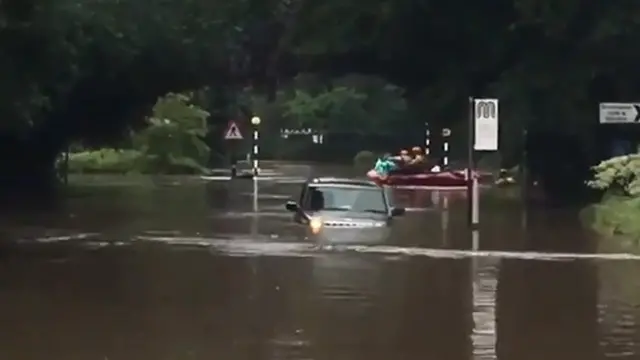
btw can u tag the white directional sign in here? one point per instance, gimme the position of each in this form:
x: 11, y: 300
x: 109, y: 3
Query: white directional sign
x: 486, y: 124
x: 233, y: 132
x: 619, y: 113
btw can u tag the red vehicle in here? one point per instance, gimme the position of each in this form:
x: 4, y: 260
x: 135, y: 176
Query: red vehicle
x: 425, y: 178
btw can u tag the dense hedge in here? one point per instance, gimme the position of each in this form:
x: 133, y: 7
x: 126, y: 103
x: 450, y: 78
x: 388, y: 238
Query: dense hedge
x: 618, y: 211
x: 111, y: 161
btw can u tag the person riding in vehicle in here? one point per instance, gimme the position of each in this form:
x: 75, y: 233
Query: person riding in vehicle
x: 405, y: 157
x: 384, y: 166
x: 418, y: 156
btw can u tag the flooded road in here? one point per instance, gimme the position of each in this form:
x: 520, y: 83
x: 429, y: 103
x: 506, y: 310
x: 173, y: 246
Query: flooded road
x: 182, y: 269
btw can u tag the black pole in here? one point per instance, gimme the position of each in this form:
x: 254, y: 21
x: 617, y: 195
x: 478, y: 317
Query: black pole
x: 255, y: 150
x: 233, y: 160
x: 234, y: 168
x: 524, y: 185
x: 470, y: 162
x: 524, y: 174
x: 66, y: 165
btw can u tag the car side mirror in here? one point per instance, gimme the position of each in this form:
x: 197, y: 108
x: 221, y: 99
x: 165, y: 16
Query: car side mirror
x: 398, y: 211
x: 292, y: 206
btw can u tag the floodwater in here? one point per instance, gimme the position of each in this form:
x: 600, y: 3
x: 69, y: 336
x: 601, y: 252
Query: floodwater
x: 179, y: 269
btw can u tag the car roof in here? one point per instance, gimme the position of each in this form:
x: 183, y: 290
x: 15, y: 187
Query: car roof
x: 342, y: 181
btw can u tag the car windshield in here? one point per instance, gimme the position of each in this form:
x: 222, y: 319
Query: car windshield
x: 345, y: 198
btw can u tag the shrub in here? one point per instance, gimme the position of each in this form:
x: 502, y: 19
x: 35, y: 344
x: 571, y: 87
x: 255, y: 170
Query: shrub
x: 176, y: 131
x: 617, y: 213
x: 618, y: 176
x: 172, y: 143
x: 364, y: 159
x: 110, y: 161
x: 614, y: 216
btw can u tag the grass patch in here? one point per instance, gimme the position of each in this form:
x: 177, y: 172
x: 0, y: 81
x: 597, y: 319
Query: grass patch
x: 615, y: 217
x: 113, y: 161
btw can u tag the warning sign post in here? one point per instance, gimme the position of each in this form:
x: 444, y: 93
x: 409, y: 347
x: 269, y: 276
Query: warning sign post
x: 233, y: 132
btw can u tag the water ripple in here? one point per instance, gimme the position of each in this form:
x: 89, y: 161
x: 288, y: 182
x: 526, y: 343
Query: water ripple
x: 248, y: 245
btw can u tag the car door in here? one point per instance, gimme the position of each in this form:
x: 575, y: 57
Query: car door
x: 301, y: 202
x: 389, y: 200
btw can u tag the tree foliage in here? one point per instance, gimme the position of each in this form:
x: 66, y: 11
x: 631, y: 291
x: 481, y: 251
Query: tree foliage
x: 617, y: 212
x: 353, y: 112
x: 176, y: 131
x: 171, y: 142
x: 541, y: 58
x: 88, y: 69
x: 357, y: 104
x: 69, y: 52
x: 619, y: 175
x: 548, y: 62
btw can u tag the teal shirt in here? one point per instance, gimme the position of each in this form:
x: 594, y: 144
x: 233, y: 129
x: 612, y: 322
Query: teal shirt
x: 384, y: 167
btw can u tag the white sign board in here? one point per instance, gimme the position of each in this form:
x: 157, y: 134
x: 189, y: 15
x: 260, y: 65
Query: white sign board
x: 486, y: 124
x: 233, y: 132
x: 619, y: 113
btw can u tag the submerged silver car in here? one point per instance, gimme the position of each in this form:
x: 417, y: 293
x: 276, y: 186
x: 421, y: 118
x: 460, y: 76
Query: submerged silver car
x: 329, y: 206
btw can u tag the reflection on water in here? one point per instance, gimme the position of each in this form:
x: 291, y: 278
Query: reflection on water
x: 618, y: 308
x: 547, y: 310
x: 484, y: 277
x: 255, y: 287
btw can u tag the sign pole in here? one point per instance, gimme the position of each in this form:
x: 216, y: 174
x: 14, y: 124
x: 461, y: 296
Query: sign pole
x: 444, y: 220
x: 524, y: 173
x: 472, y: 215
x: 483, y: 136
x: 233, y: 133
x: 66, y: 166
x: 255, y: 121
x: 234, y: 164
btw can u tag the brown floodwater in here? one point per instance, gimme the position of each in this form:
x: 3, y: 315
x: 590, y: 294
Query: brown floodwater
x: 179, y: 268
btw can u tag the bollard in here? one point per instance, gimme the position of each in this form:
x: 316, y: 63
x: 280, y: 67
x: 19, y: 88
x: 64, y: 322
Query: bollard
x: 427, y: 138
x: 255, y: 195
x: 445, y: 147
x: 234, y: 169
x: 256, y: 150
x: 255, y: 121
x: 255, y: 215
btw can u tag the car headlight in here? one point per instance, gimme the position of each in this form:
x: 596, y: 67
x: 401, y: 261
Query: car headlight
x: 315, y: 224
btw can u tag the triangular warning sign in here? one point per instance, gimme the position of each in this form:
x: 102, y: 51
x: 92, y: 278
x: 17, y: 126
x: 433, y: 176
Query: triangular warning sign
x: 233, y: 132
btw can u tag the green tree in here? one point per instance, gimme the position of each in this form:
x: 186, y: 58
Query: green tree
x: 171, y: 142
x: 78, y: 69
x: 175, y: 134
x: 355, y: 104
x: 88, y: 70
x: 329, y: 110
